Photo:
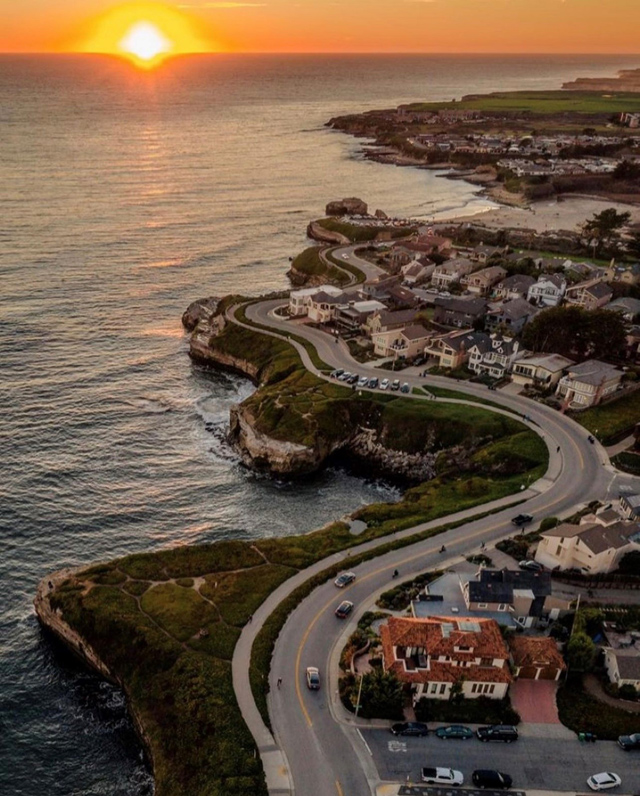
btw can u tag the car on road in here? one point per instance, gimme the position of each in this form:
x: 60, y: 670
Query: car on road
x: 410, y: 728
x: 313, y: 678
x: 395, y: 385
x: 454, y: 731
x: 604, y: 781
x: 344, y: 609
x: 384, y: 384
x: 344, y: 579
x: 335, y: 374
x: 442, y: 776
x: 629, y: 742
x: 373, y: 383
x: 522, y: 519
x: 344, y: 256
x: 490, y: 778
x: 498, y: 732
x: 531, y: 565
x: 363, y: 381
x: 405, y: 388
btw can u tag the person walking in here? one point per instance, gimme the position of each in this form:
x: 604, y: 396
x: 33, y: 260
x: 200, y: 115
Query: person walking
x: 279, y: 682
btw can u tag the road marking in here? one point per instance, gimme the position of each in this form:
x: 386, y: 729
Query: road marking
x: 397, y: 746
x: 368, y: 748
x: 339, y: 788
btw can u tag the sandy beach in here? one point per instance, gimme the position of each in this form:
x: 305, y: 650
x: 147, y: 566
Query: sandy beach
x: 568, y: 214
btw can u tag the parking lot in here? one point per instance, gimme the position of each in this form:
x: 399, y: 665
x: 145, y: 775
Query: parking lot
x: 536, y: 763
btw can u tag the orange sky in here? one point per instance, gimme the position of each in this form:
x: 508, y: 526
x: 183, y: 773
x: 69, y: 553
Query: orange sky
x: 581, y: 26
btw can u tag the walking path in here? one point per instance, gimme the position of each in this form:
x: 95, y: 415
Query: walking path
x: 592, y: 686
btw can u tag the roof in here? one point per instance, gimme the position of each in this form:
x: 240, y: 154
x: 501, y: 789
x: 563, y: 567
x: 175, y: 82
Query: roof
x: 599, y: 290
x: 628, y: 663
x: 625, y: 304
x: 322, y: 297
x: 593, y: 372
x: 556, y: 279
x: 596, y: 537
x: 368, y: 306
x: 463, y: 339
x: 551, y: 362
x: 515, y: 309
x: 632, y: 500
x: 492, y: 272
x: 521, y: 282
x: 415, y: 332
x: 400, y: 317
x: 469, y: 306
x: 536, y: 651
x: 498, y: 586
x: 452, y: 266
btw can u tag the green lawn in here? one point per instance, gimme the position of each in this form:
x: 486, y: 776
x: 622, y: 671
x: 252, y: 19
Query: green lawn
x: 541, y: 102
x: 613, y: 421
x: 581, y: 712
x: 309, y: 263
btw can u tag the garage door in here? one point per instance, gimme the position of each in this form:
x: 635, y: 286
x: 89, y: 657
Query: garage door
x: 528, y: 672
x: 548, y: 673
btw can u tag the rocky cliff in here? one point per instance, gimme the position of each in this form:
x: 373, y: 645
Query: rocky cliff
x: 627, y: 80
x: 347, y: 207
x: 317, y: 232
x: 199, y: 310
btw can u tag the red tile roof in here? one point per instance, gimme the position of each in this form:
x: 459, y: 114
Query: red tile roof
x: 536, y: 651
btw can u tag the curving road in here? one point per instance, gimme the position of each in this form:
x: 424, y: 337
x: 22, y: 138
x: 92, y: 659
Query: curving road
x: 318, y: 750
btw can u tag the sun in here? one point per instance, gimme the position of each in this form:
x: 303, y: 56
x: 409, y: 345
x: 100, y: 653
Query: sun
x: 146, y: 33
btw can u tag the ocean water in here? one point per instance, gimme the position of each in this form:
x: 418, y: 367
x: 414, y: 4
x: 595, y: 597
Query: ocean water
x: 124, y: 196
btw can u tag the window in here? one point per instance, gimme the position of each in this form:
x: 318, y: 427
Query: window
x: 434, y: 688
x: 559, y: 550
x: 502, y: 607
x: 492, y: 688
x: 482, y: 605
x: 443, y: 688
x: 474, y: 688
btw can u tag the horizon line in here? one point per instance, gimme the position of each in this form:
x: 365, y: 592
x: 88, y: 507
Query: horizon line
x: 336, y: 52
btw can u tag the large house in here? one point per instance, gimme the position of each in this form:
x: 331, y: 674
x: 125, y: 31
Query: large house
x: 418, y: 271
x: 548, y: 290
x: 299, y: 300
x: 513, y: 287
x: 351, y: 318
x: 481, y: 282
x: 451, y: 272
x: 386, y: 320
x: 544, y: 370
x: 589, y: 295
x: 628, y: 307
x: 526, y: 596
x: 323, y: 306
x: 588, y: 383
x: 591, y: 547
x: 627, y: 274
x: 512, y: 315
x: 433, y: 654
x: 483, y: 254
x: 493, y: 354
x: 401, y: 343
x: 453, y: 350
x: 459, y: 312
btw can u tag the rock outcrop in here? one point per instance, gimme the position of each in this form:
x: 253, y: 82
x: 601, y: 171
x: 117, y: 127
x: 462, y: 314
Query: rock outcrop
x: 198, y: 310
x: 628, y: 81
x: 317, y: 232
x: 347, y: 207
x: 414, y: 467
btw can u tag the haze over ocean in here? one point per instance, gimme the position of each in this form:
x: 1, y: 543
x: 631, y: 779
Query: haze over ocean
x: 124, y: 196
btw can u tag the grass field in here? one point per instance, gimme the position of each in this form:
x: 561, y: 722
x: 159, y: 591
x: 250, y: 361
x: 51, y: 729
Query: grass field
x: 541, y: 102
x: 309, y: 263
x: 613, y: 421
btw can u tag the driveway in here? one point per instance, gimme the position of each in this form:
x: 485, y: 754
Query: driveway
x: 535, y: 701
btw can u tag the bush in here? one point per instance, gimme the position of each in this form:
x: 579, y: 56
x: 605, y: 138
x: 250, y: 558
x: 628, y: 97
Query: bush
x: 381, y: 695
x: 627, y: 691
x: 581, y: 712
x: 482, y: 710
x: 548, y: 523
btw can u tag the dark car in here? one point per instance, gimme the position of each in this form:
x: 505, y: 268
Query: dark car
x: 405, y: 388
x: 488, y: 778
x: 344, y: 609
x: 335, y: 374
x: 410, y: 728
x: 498, y: 732
x: 454, y: 731
x: 373, y: 383
x: 522, y: 519
x: 353, y: 379
x: 629, y: 742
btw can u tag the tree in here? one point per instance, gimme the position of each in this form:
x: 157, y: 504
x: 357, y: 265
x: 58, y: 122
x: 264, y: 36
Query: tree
x: 627, y: 170
x: 633, y: 245
x: 381, y: 696
x: 603, y: 227
x: 627, y: 691
x: 630, y: 563
x: 581, y: 652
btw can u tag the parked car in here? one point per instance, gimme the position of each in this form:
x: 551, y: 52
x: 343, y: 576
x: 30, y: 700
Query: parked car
x: 335, y: 374
x: 498, y: 732
x: 410, y: 728
x: 344, y: 579
x: 313, y: 678
x: 344, y: 376
x: 395, y: 385
x: 629, y: 742
x: 531, y: 565
x: 344, y: 609
x: 353, y: 379
x: 405, y: 388
x: 522, y: 519
x: 442, y: 776
x: 363, y: 381
x: 454, y: 731
x: 489, y: 778
x: 373, y: 383
x: 604, y: 781
x: 384, y: 384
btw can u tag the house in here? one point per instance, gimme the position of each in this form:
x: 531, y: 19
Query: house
x: 460, y: 312
x: 482, y: 254
x: 323, y: 306
x: 588, y: 383
x: 630, y: 507
x: 513, y: 287
x: 452, y: 350
x: 543, y: 370
x: 481, y: 282
x: 627, y: 274
x: 494, y: 355
x: 418, y: 271
x: 451, y: 272
x: 512, y: 315
x: 299, y: 300
x: 628, y: 307
x: 623, y: 666
x: 399, y: 297
x: 548, y: 290
x: 352, y: 317
x: 377, y: 287
x: 589, y: 295
x: 536, y: 658
x: 591, y: 548
x: 401, y: 343
x: 386, y: 320
x: 526, y: 596
x: 431, y: 655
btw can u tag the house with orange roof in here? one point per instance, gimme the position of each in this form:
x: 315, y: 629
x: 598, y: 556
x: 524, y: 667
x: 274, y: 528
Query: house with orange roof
x: 431, y: 655
x: 536, y: 658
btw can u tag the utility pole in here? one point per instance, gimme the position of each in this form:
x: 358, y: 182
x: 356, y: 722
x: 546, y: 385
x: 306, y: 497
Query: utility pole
x: 359, y: 692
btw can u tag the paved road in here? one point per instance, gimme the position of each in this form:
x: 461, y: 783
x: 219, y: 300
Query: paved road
x: 326, y: 754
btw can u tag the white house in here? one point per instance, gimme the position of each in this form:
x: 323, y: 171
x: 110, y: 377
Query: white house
x: 544, y: 370
x: 623, y: 666
x: 494, y: 354
x: 548, y: 290
x: 591, y: 548
x: 323, y: 306
x: 299, y: 300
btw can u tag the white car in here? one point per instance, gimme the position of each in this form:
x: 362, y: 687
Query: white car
x: 344, y: 256
x: 345, y: 579
x: 363, y: 381
x: 604, y: 781
x: 384, y: 384
x: 442, y: 776
x: 313, y: 678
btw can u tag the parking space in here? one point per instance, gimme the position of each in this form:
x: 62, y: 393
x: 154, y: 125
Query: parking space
x: 535, y: 763
x: 422, y: 790
x: 535, y: 701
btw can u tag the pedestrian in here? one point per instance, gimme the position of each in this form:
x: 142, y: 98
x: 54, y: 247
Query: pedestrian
x: 279, y: 682
x: 482, y: 545
x: 250, y: 619
x: 558, y: 449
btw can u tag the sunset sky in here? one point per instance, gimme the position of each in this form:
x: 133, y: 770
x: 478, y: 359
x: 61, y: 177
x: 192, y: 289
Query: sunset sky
x: 580, y: 26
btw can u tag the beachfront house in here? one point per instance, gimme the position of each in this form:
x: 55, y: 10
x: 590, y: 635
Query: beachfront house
x: 299, y: 300
x: 401, y: 343
x: 543, y: 370
x: 452, y: 350
x: 588, y: 383
x: 493, y: 355
x: 591, y: 548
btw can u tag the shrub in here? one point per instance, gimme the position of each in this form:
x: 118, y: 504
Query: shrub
x: 548, y: 523
x: 627, y: 691
x: 581, y: 712
x: 482, y: 710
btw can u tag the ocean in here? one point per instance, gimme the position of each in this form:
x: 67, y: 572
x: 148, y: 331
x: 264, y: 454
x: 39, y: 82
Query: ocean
x: 123, y: 197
